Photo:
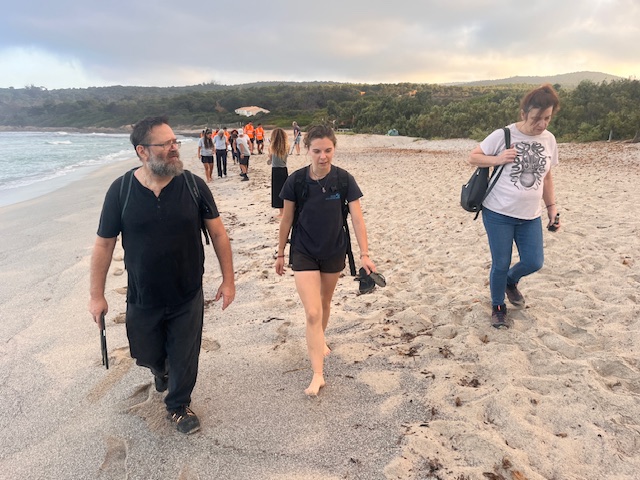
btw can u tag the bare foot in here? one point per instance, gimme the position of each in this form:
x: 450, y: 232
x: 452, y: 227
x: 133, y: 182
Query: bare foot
x: 317, y: 382
x: 327, y: 350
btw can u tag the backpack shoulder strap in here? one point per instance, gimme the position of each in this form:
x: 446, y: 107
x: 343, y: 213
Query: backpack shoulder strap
x: 300, y: 185
x: 507, y: 137
x: 301, y: 190
x: 127, y: 179
x: 192, y: 186
x: 497, y: 171
x: 495, y: 174
x: 343, y: 189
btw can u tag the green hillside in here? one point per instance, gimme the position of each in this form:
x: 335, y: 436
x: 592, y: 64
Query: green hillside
x: 589, y: 110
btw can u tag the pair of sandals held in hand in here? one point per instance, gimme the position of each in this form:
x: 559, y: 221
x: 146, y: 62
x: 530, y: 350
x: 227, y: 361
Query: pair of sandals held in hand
x: 368, y: 281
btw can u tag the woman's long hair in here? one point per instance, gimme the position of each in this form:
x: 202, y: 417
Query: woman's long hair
x: 279, y: 145
x: 208, y: 143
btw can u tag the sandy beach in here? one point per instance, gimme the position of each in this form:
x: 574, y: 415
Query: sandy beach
x: 419, y: 385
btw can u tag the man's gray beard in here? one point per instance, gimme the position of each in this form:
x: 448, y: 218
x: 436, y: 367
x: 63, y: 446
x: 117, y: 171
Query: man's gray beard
x: 161, y: 169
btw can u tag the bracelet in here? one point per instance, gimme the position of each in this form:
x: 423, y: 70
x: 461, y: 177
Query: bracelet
x: 280, y: 256
x: 364, y: 255
x: 550, y: 205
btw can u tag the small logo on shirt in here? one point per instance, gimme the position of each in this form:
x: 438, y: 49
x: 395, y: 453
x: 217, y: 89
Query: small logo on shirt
x: 335, y: 196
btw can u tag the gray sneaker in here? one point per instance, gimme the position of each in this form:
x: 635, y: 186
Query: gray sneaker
x: 499, y: 316
x: 515, y: 297
x: 185, y: 420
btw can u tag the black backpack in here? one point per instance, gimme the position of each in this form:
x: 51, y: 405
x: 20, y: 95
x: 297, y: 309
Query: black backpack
x: 191, y: 184
x: 301, y: 190
x: 480, y: 184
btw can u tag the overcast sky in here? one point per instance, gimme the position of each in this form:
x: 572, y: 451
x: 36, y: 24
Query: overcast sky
x: 68, y: 43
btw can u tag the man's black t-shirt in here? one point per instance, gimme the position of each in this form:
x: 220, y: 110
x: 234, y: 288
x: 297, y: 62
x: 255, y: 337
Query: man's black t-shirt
x: 161, y: 238
x: 319, y: 232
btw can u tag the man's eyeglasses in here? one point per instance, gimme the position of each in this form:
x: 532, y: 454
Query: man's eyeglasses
x: 166, y: 145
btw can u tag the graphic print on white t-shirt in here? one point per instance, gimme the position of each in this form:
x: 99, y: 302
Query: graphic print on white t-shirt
x: 529, y: 167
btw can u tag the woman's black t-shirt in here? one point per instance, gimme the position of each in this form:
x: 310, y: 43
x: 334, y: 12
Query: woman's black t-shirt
x: 319, y: 232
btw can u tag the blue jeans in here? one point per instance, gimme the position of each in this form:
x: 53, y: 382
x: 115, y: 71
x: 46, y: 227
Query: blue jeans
x: 502, y: 231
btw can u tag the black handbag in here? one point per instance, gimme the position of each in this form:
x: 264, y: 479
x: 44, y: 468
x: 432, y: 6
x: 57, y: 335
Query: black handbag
x: 480, y: 184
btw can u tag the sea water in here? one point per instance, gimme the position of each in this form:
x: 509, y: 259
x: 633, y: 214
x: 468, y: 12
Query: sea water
x: 35, y: 163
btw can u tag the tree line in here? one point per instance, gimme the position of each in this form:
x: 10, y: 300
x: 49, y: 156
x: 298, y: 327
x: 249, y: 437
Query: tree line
x: 589, y: 112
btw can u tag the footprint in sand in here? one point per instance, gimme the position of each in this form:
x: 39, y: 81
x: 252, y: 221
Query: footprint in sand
x: 120, y: 318
x: 147, y: 404
x: 115, y: 459
x: 139, y: 396
x: 118, y: 271
x: 616, y: 374
x: 283, y: 333
x: 210, y: 345
x: 119, y: 364
x: 121, y: 290
x: 118, y: 258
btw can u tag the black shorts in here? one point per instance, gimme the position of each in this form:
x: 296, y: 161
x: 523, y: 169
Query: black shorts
x: 304, y: 263
x: 260, y: 142
x: 244, y: 160
x: 253, y: 140
x: 206, y: 159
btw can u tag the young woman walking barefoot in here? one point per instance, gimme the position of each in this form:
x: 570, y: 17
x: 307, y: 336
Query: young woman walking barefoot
x: 319, y: 246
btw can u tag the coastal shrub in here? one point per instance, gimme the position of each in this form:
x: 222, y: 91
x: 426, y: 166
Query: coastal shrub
x: 588, y: 112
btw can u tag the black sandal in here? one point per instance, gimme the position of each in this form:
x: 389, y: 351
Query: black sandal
x: 378, y: 278
x: 367, y: 284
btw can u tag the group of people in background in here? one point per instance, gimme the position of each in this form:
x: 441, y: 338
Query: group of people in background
x: 165, y: 302
x: 241, y: 143
x: 210, y: 144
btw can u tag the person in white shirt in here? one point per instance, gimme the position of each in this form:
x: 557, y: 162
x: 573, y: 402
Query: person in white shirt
x: 512, y: 210
x: 220, y: 143
x: 205, y: 152
x: 242, y: 143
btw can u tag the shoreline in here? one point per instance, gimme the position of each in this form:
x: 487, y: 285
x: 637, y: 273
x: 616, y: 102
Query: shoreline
x: 418, y: 383
x: 44, y: 186
x: 6, y: 128
x: 184, y: 131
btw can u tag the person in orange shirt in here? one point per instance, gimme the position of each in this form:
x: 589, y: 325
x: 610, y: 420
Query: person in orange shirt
x: 260, y: 138
x: 250, y: 133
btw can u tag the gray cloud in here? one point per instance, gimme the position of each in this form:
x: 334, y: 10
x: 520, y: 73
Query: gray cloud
x: 168, y: 43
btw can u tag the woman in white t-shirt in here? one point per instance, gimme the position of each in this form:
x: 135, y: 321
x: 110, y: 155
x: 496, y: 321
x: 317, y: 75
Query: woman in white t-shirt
x: 512, y: 210
x: 205, y: 152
